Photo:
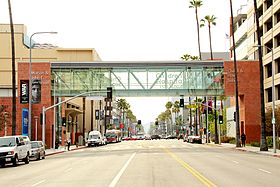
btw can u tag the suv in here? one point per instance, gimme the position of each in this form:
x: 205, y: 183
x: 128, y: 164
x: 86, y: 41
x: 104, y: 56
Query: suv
x: 14, y: 149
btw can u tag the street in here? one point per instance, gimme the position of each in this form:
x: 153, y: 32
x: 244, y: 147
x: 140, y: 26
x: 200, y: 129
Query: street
x: 147, y: 163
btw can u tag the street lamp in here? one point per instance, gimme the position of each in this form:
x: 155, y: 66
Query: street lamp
x: 273, y: 95
x: 30, y: 80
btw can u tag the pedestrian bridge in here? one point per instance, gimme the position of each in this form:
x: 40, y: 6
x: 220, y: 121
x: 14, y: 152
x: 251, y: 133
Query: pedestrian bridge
x: 132, y: 79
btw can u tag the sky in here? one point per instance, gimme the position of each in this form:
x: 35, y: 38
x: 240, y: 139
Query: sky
x: 125, y: 30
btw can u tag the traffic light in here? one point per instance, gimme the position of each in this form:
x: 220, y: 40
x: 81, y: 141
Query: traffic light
x: 109, y: 92
x: 210, y: 110
x: 181, y: 102
x: 221, y: 120
x: 64, y: 121
x: 139, y: 122
x: 234, y: 116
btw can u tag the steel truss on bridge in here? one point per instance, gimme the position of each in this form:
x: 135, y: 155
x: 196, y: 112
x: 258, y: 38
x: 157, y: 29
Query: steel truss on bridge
x: 174, y: 78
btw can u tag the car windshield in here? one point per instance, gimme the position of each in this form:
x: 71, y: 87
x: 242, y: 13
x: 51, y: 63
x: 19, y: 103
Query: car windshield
x: 34, y: 145
x: 93, y: 136
x: 7, y: 142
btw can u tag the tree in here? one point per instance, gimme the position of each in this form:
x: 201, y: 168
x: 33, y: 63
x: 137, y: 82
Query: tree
x: 187, y: 57
x: 263, y: 143
x: 236, y: 81
x: 4, y: 116
x: 211, y: 20
x: 196, y: 4
x: 122, y: 106
x: 13, y: 70
x: 268, y: 119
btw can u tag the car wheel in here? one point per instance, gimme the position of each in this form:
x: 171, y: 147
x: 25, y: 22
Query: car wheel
x: 3, y: 164
x: 26, y: 159
x: 38, y: 157
x: 15, y: 161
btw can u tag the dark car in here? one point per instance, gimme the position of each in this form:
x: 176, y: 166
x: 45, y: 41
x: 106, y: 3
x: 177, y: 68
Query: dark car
x: 155, y: 137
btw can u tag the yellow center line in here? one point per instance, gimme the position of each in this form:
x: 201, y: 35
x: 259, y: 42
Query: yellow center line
x: 194, y: 172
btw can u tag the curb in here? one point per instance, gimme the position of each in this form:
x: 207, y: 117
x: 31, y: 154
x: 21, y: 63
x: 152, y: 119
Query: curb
x: 245, y: 150
x: 63, y: 151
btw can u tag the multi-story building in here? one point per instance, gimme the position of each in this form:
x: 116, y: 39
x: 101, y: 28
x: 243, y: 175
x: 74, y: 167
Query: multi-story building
x: 246, y: 41
x: 42, y: 56
x: 269, y: 19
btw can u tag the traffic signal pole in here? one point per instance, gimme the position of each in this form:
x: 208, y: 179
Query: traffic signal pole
x: 44, y: 110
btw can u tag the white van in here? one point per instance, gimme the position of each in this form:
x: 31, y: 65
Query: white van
x: 94, y: 138
x: 14, y: 149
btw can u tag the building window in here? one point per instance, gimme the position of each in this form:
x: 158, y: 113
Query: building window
x: 268, y: 92
x: 268, y: 24
x: 268, y: 3
x: 277, y: 40
x: 277, y: 92
x: 268, y: 70
x: 277, y: 63
x: 260, y: 11
x: 277, y: 17
x: 268, y: 47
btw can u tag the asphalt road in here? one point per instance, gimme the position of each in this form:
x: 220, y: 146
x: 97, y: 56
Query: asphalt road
x: 149, y: 163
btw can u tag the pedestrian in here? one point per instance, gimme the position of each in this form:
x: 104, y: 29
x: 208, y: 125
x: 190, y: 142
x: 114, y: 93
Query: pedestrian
x: 68, y: 144
x: 243, y: 139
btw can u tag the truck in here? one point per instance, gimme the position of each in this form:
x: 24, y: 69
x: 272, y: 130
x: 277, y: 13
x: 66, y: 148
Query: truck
x: 14, y: 149
x: 94, y: 138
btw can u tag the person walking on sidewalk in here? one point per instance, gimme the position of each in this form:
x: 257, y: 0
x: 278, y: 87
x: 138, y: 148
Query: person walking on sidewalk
x: 68, y: 144
x: 243, y: 139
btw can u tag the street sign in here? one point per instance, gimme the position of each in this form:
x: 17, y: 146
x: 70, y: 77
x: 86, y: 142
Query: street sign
x: 95, y: 98
x: 192, y: 106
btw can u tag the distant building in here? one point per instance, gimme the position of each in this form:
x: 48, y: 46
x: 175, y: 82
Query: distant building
x: 77, y: 121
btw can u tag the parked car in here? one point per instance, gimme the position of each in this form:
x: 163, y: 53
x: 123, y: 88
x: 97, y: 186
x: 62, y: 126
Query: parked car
x: 171, y: 137
x: 155, y: 137
x: 194, y: 139
x: 129, y: 138
x: 14, y: 149
x: 147, y: 137
x: 37, y: 150
x: 94, y: 138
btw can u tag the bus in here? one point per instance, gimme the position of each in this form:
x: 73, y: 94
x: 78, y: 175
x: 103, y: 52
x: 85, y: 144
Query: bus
x: 113, y: 136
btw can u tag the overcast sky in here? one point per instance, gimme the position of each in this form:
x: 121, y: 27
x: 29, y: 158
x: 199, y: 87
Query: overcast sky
x: 122, y: 30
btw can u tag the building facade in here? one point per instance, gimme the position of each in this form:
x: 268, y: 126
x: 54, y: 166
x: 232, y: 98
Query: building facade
x: 78, y: 119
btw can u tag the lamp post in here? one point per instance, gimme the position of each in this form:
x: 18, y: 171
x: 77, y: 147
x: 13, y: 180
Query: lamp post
x: 36, y: 127
x: 30, y: 80
x: 273, y: 96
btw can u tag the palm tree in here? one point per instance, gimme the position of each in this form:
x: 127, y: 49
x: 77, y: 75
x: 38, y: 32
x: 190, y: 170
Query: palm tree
x: 236, y: 81
x: 122, y: 106
x: 13, y: 71
x: 196, y: 4
x: 168, y: 107
x: 263, y: 143
x: 211, y: 20
x: 187, y: 57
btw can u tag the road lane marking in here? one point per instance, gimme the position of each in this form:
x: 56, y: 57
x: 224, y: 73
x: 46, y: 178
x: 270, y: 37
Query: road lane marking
x: 40, y: 182
x: 118, y: 176
x: 194, y: 172
x: 264, y: 171
x: 235, y: 162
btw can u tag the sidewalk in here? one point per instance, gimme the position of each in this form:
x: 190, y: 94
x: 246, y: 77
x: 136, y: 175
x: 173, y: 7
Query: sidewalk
x: 62, y: 149
x: 249, y: 148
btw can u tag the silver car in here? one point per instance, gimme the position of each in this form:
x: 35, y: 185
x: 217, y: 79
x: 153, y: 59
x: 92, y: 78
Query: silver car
x: 37, y: 150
